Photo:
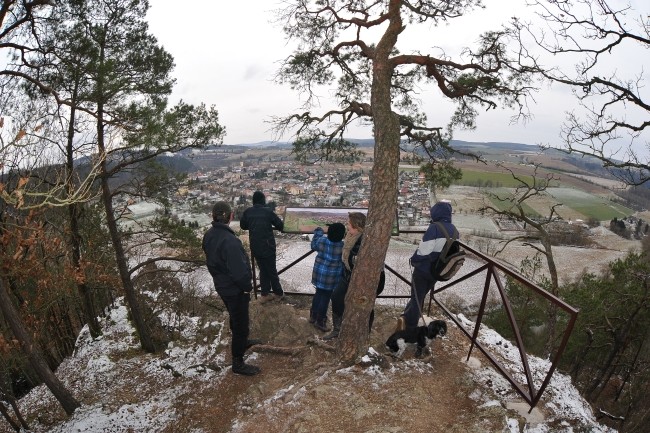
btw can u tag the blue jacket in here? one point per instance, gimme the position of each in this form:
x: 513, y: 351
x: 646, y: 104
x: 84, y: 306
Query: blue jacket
x: 434, y: 239
x: 328, y: 265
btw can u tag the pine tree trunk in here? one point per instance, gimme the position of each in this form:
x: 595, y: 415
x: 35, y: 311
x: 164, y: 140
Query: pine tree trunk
x: 90, y: 315
x: 122, y: 265
x: 34, y: 354
x: 5, y: 396
x: 360, y: 299
x: 75, y: 236
x: 5, y: 413
x: 598, y: 381
x: 578, y: 360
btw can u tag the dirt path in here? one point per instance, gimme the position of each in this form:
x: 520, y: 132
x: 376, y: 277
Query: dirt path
x: 307, y: 392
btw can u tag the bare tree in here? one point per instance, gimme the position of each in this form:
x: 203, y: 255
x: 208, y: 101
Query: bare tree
x: 593, y: 35
x: 513, y: 206
x: 355, y: 45
x: 34, y: 354
x: 60, y: 176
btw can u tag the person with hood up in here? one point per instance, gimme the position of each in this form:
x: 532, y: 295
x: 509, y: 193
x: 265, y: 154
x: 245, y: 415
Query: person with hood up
x: 260, y: 220
x: 427, y: 253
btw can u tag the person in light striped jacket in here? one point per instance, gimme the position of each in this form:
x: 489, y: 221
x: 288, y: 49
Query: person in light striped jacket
x: 427, y: 253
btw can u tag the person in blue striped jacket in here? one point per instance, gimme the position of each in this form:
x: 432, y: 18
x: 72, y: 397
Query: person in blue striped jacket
x: 328, y: 270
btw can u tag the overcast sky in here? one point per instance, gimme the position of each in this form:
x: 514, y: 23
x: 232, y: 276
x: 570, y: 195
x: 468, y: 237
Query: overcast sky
x: 226, y: 53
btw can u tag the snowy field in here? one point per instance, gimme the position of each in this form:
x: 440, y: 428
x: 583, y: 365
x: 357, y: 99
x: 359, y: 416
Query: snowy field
x: 298, y: 278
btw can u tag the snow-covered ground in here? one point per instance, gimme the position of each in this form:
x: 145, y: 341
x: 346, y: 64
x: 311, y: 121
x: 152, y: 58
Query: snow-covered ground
x: 98, y: 365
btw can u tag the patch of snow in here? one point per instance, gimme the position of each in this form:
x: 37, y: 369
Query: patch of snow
x: 561, y: 400
x: 151, y: 416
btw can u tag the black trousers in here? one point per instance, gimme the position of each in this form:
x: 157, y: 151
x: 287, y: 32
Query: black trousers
x: 420, y: 287
x: 339, y: 293
x: 237, y: 306
x: 269, y: 279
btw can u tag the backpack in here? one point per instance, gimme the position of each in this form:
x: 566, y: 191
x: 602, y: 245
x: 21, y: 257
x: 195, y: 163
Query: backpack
x: 451, y: 258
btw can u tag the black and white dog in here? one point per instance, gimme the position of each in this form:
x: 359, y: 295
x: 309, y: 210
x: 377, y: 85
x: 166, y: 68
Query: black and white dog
x: 422, y: 336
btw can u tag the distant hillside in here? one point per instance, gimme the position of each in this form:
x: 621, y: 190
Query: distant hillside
x: 457, y: 144
x: 496, y: 150
x: 492, y: 146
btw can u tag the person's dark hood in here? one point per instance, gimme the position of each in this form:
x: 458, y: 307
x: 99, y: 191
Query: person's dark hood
x: 441, y: 212
x: 259, y: 198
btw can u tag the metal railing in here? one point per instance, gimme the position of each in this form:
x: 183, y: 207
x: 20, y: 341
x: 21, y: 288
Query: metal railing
x: 492, y: 268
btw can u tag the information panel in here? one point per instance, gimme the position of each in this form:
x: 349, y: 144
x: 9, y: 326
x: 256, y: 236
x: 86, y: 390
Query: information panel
x: 306, y: 219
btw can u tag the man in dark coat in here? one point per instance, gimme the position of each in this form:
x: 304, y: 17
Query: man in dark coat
x: 231, y: 273
x: 428, y: 252
x: 260, y: 220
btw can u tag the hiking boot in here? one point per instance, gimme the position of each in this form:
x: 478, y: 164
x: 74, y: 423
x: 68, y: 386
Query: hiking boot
x: 332, y: 335
x: 240, y: 367
x: 277, y: 297
x: 401, y: 324
x: 336, y: 329
x: 312, y: 317
x: 266, y: 298
x: 252, y: 342
x: 321, y: 325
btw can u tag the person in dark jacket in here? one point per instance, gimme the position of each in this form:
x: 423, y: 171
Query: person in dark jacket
x: 428, y: 251
x: 351, y: 245
x: 260, y: 220
x: 230, y: 269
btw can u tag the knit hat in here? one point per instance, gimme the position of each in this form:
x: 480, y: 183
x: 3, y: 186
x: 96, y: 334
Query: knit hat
x: 259, y: 198
x: 336, y: 232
